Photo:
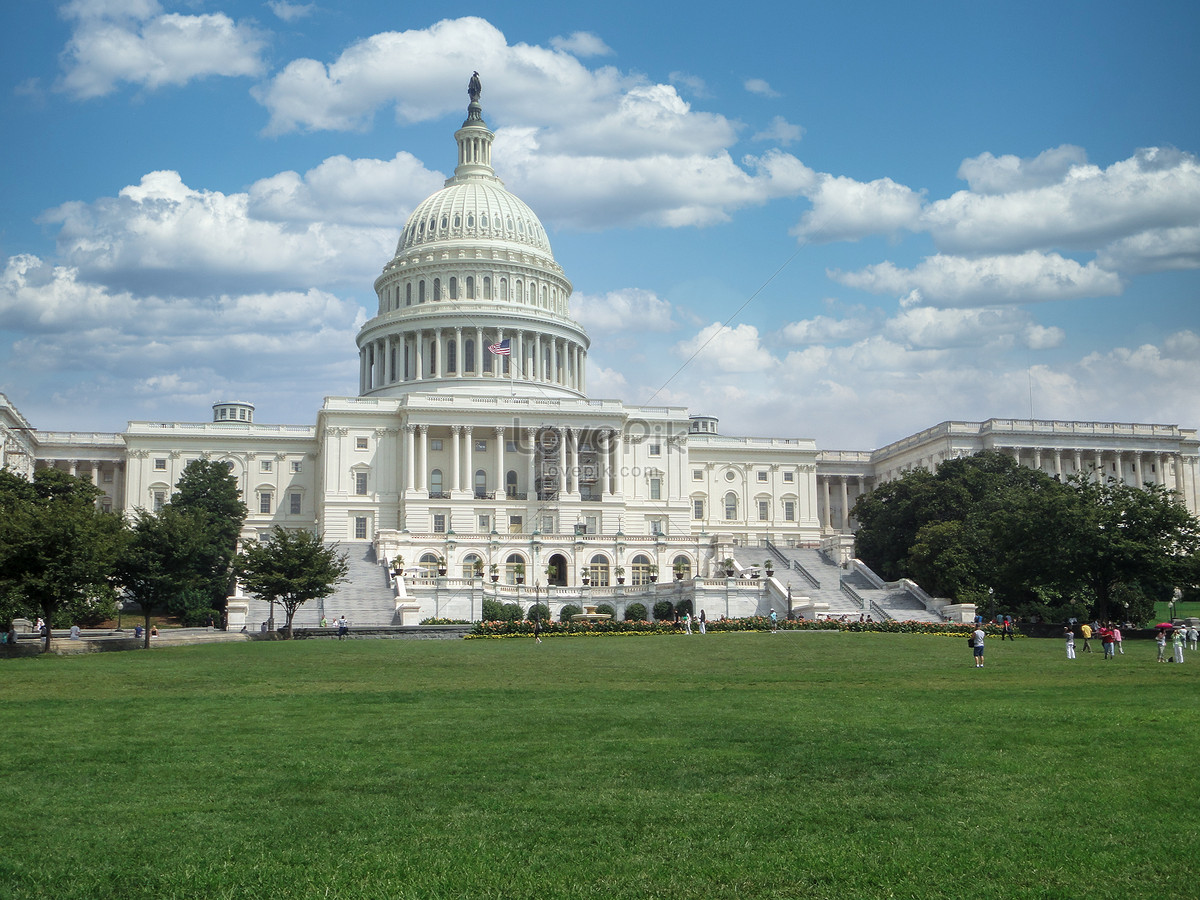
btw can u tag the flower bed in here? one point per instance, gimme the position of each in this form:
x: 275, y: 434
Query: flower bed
x: 750, y: 623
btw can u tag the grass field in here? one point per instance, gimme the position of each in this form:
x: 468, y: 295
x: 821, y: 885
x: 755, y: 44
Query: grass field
x: 742, y: 765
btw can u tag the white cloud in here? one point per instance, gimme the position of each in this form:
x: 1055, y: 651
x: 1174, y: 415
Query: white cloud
x: 828, y: 329
x: 581, y: 43
x: 290, y: 12
x: 135, y: 43
x: 629, y: 310
x: 1040, y: 337
x: 726, y: 349
x: 760, y: 87
x: 988, y: 174
x: 694, y: 84
x: 781, y: 131
x: 1155, y: 250
x: 1157, y: 188
x: 846, y: 210
x: 923, y: 326
x: 956, y: 281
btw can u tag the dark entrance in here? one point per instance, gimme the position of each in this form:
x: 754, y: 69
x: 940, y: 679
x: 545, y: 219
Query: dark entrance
x: 559, y: 563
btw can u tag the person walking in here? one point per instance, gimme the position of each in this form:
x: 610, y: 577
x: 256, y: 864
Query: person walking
x: 1193, y: 635
x: 703, y: 623
x: 1177, y: 640
x: 1070, y: 636
x: 774, y: 622
x: 977, y: 637
x: 1086, y: 630
x: 1117, y: 645
x: 1106, y: 639
x: 687, y: 622
x: 343, y: 627
x: 537, y: 629
x: 1007, y: 631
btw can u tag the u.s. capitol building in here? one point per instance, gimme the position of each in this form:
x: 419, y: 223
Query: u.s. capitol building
x: 473, y: 443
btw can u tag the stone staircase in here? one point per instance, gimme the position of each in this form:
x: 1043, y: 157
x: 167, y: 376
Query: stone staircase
x: 811, y: 574
x: 365, y: 598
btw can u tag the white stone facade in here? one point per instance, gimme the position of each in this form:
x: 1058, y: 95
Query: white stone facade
x: 455, y: 452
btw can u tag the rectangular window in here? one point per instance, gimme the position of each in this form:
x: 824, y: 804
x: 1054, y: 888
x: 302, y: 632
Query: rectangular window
x: 485, y: 524
x: 264, y: 502
x: 697, y: 474
x: 294, y: 503
x: 297, y: 467
x: 789, y: 510
x: 589, y: 525
x: 516, y: 524
x: 435, y: 443
x: 264, y: 465
x: 762, y: 477
x: 655, y: 488
x: 360, y: 528
x: 160, y: 500
x: 764, y: 509
x: 789, y: 477
x: 106, y: 505
x: 547, y: 524
x: 439, y: 523
x: 656, y: 526
x: 360, y: 483
x: 160, y: 465
x: 360, y: 443
x: 697, y: 509
x: 656, y: 449
x: 510, y: 446
x: 108, y: 475
x: 481, y: 446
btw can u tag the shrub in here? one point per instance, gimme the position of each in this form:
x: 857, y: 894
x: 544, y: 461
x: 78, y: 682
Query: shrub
x: 635, y: 612
x: 539, y: 611
x: 664, y: 610
x: 684, y: 606
x: 491, y: 611
x: 510, y: 612
x: 606, y: 609
x: 567, y: 611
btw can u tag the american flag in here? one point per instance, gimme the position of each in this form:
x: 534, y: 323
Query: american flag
x: 503, y: 348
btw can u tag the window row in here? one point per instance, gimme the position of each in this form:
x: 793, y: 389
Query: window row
x: 732, y: 502
x: 529, y: 292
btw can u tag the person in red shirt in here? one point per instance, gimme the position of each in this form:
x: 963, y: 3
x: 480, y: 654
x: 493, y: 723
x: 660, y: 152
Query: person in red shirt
x: 1106, y: 638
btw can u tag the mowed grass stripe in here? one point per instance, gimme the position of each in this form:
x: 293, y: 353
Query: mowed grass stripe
x: 731, y: 765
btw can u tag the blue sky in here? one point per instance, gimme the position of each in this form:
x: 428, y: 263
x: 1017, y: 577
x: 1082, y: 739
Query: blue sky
x: 855, y: 220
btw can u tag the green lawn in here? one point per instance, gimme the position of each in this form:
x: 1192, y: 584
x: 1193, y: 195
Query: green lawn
x: 740, y: 765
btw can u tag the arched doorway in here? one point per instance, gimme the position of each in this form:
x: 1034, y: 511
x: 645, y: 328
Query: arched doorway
x: 558, y: 563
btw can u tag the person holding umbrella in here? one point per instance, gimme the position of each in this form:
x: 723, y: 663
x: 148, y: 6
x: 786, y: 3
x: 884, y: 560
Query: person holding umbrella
x: 1161, y: 640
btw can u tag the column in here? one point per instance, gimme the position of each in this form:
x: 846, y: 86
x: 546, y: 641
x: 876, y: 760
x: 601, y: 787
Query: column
x: 562, y: 461
x: 459, y: 361
x: 423, y: 459
x: 583, y: 372
x: 825, y: 507
x: 1058, y: 463
x: 537, y: 358
x: 409, y: 460
x: 1137, y: 469
x: 519, y: 355
x: 362, y: 370
x: 419, y: 361
x: 455, y: 468
x: 499, y: 460
x: 1162, y: 470
x: 1037, y: 458
x: 845, y: 504
x: 531, y: 475
x: 1078, y: 462
x: 1099, y: 470
x: 469, y: 467
x: 572, y: 435
x: 1179, y: 475
x: 480, y: 350
x: 439, y: 355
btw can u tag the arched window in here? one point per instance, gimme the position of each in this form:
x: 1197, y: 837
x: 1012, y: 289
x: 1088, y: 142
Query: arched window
x: 480, y: 484
x: 451, y: 356
x: 453, y: 288
x: 470, y: 220
x: 503, y: 289
x: 487, y: 356
x: 469, y: 355
x: 510, y: 484
x: 483, y: 221
x: 639, y: 570
x: 457, y: 220
x: 437, y: 289
x: 435, y: 483
x: 682, y: 564
x: 518, y: 291
x: 445, y: 223
x: 433, y: 348
x: 510, y: 567
x: 468, y: 565
x: 470, y: 287
x: 731, y: 506
x: 428, y: 565
x: 421, y: 291
x: 545, y: 296
x: 598, y: 570
x: 487, y: 287
x: 408, y: 294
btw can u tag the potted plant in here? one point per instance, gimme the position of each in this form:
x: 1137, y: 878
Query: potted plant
x: 495, y: 571
x: 551, y: 573
x: 769, y: 565
x: 519, y: 572
x: 477, y: 568
x: 441, y: 565
x: 619, y: 571
x: 397, y: 566
x: 727, y: 564
x: 586, y: 577
x: 653, y: 570
x: 680, y: 569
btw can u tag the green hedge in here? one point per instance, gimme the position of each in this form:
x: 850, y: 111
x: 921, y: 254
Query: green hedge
x: 752, y: 623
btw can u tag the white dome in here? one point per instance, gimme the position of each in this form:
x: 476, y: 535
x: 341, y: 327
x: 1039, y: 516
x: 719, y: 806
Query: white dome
x: 478, y: 212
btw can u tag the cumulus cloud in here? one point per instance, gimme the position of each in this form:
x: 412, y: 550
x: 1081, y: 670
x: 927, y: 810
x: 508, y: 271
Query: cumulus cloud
x: 693, y: 84
x: 726, y: 349
x: 760, y: 87
x: 290, y: 12
x: 136, y: 43
x: 845, y: 210
x: 581, y: 43
x: 956, y: 281
x: 781, y: 131
x: 162, y: 236
x: 627, y: 310
x: 829, y: 329
x: 943, y: 328
x: 988, y: 174
x: 1154, y: 250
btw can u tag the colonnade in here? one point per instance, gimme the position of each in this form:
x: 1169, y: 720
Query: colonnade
x: 92, y: 469
x: 463, y: 353
x: 826, y: 504
x: 1145, y: 465
x: 552, y: 464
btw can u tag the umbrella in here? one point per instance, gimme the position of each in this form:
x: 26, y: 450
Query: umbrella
x: 1165, y: 625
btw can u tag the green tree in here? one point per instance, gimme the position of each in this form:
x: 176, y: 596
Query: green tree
x: 156, y: 565
x: 207, y: 494
x: 290, y: 568
x: 57, y: 549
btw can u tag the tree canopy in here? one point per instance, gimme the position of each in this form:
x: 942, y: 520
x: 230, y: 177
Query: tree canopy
x: 57, y: 549
x: 290, y: 568
x: 1014, y: 540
